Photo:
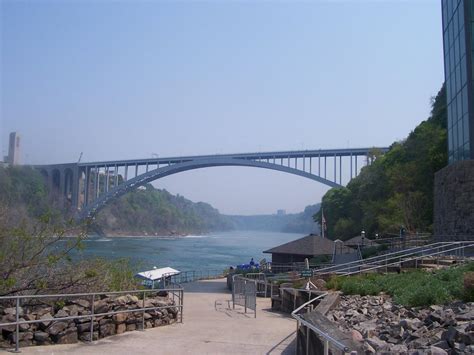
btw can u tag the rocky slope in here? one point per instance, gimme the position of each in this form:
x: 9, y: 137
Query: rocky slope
x: 383, y: 326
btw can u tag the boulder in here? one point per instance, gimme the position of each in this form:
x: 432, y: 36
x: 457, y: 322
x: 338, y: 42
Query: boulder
x: 41, y: 337
x: 437, y: 351
x: 86, y: 336
x: 24, y: 326
x: 8, y: 319
x: 357, y: 336
x: 106, y: 330
x: 21, y: 336
x: 85, y: 327
x: 120, y: 317
x: 57, y: 327
x: 450, y: 336
x: 377, y: 344
x: 12, y: 311
x: 62, y: 313
x: 72, y: 310
x: 101, y: 306
x: 121, y: 328
x: 81, y: 302
x: 69, y: 336
x: 43, y: 325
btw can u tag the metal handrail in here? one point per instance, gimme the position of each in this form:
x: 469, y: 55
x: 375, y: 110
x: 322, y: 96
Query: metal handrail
x: 176, y: 292
x: 196, y: 275
x: 315, y: 329
x: 363, y: 265
x: 405, y: 260
x: 405, y: 252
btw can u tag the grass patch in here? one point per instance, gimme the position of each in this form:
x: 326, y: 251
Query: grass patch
x: 413, y: 288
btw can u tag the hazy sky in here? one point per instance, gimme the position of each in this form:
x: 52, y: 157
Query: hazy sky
x: 125, y: 79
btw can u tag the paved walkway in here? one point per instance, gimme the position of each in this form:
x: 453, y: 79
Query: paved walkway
x: 209, y: 327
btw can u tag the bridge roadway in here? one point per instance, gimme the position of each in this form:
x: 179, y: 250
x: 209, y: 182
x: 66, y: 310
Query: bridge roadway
x: 86, y: 187
x: 209, y: 328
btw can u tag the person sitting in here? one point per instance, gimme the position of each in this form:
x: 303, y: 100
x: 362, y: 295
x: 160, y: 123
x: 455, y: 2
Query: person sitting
x: 252, y: 263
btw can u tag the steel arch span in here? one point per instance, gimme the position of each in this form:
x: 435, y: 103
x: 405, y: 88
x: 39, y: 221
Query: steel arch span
x: 159, y: 173
x: 87, y: 187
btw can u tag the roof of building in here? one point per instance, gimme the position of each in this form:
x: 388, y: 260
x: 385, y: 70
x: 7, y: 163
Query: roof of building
x: 157, y: 274
x: 310, y: 245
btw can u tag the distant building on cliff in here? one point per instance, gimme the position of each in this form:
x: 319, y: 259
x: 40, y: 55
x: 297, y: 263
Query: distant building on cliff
x: 13, y: 157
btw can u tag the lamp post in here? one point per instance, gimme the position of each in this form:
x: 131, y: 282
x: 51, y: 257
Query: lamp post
x: 362, y: 234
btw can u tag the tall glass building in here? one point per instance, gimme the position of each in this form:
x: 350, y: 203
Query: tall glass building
x: 458, y: 43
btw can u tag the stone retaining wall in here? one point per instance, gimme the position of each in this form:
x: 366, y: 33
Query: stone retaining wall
x: 71, y: 331
x: 454, y: 200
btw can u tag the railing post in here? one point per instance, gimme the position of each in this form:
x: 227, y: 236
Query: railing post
x: 297, y: 337
x: 233, y: 292
x: 143, y: 312
x: 307, y: 340
x: 255, y: 297
x: 17, y: 330
x: 91, y: 336
x: 182, y: 303
x: 245, y: 295
x: 326, y: 347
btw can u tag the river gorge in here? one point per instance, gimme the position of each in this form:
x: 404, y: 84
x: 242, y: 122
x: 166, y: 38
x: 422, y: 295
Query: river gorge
x: 216, y: 251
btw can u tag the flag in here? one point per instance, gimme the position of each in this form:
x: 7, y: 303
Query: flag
x: 323, y: 223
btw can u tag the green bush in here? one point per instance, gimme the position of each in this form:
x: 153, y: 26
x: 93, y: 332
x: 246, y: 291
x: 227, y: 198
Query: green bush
x: 414, y: 288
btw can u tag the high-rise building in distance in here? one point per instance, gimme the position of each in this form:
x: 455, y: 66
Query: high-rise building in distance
x: 458, y: 44
x: 13, y: 156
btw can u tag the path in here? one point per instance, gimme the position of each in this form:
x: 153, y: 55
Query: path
x: 209, y: 327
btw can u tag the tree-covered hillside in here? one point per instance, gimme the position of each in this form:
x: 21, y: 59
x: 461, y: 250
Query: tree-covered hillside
x: 290, y: 223
x: 24, y: 194
x: 151, y: 211
x: 397, y: 189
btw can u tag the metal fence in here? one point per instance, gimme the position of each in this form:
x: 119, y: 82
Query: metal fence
x: 329, y: 342
x: 244, y: 293
x: 193, y: 275
x: 175, y: 293
x: 455, y: 250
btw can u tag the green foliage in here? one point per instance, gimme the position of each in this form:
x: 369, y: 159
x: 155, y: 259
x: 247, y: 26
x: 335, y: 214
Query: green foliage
x: 320, y: 259
x: 24, y: 188
x: 397, y: 189
x: 153, y: 211
x: 368, y: 252
x: 414, y: 288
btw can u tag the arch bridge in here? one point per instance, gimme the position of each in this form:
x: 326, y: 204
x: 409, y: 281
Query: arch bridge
x: 87, y: 187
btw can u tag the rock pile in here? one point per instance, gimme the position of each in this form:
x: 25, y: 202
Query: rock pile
x: 385, y: 327
x: 71, y: 331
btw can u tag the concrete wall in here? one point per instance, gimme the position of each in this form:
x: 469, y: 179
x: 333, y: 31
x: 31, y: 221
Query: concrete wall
x: 454, y: 200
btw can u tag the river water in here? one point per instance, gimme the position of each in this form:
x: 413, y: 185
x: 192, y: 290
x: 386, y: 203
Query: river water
x: 215, y: 251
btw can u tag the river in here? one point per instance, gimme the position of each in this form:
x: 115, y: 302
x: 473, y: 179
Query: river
x: 215, y: 251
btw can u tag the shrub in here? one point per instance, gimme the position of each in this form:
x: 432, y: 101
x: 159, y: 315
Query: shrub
x: 468, y: 291
x: 414, y: 288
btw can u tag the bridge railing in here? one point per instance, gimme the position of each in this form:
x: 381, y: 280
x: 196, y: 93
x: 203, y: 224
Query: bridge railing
x: 21, y: 301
